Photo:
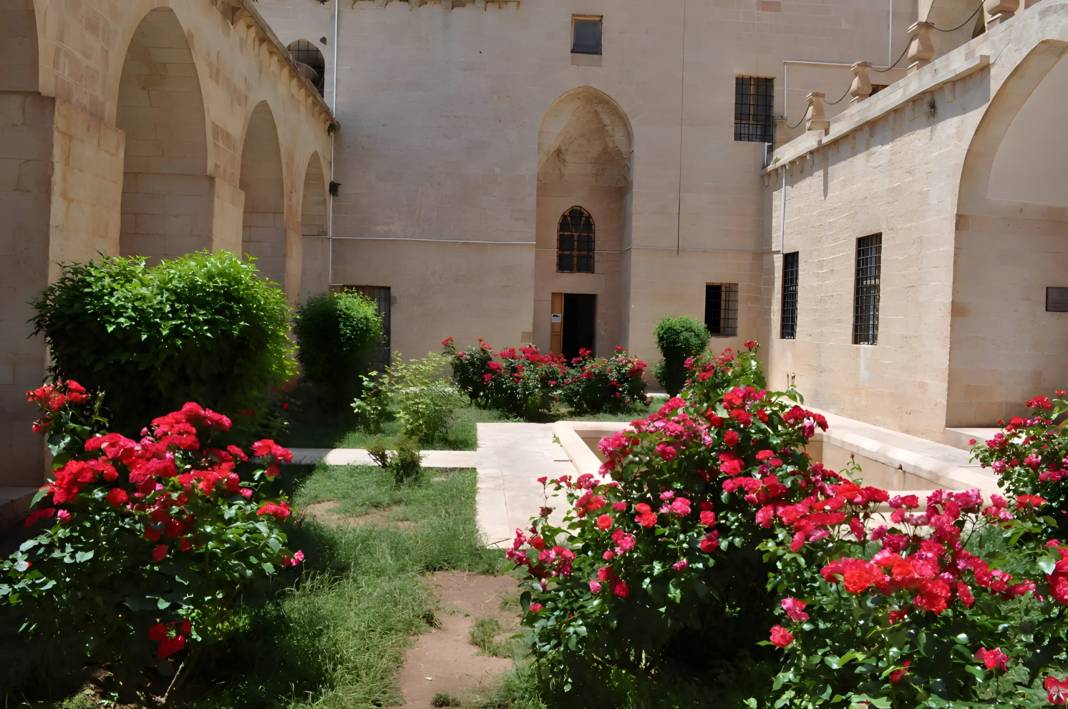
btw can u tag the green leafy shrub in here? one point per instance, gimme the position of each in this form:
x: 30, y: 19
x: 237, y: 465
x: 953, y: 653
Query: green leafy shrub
x: 143, y: 549
x: 422, y: 396
x: 203, y: 327
x: 679, y: 339
x: 524, y: 383
x: 405, y: 463
x: 372, y: 405
x: 598, y: 385
x: 1029, y: 456
x: 337, y: 333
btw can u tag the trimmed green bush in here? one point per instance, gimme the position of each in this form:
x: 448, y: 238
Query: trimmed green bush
x: 203, y: 327
x: 337, y: 333
x: 678, y: 338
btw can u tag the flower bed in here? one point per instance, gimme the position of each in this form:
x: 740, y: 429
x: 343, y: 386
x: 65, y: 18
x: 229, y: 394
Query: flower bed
x: 144, y: 547
x: 946, y: 600
x: 528, y: 383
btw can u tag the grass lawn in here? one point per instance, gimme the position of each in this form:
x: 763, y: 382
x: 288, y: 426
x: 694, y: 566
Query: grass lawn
x: 311, y: 427
x: 337, y: 638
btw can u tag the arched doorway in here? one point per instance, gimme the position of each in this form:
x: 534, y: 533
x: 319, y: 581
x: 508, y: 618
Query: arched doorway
x: 263, y: 232
x: 1009, y: 334
x: 166, y: 192
x: 314, y: 267
x: 585, y: 147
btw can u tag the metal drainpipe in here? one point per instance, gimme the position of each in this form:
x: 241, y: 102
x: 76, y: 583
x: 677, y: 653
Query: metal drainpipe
x: 333, y: 153
x: 890, y: 37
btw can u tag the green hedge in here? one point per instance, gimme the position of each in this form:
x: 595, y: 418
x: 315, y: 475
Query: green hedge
x: 678, y: 338
x: 338, y: 333
x: 203, y: 327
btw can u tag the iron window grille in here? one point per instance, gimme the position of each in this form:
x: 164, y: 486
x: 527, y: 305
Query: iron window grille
x: 586, y: 34
x: 754, y: 103
x: 790, y: 271
x: 575, y: 242
x: 866, y: 290
x: 304, y: 52
x: 721, y: 309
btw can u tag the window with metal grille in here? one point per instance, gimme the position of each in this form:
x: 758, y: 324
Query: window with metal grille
x: 788, y: 324
x: 306, y: 53
x: 586, y: 34
x: 721, y: 309
x: 575, y: 242
x: 866, y: 290
x: 754, y: 103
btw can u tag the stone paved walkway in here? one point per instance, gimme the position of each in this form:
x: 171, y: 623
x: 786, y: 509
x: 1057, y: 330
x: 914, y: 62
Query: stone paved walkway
x: 359, y: 456
x: 510, y: 459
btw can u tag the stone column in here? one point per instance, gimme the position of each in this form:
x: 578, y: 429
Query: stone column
x: 999, y: 10
x: 861, y: 87
x: 816, y: 115
x: 921, y: 49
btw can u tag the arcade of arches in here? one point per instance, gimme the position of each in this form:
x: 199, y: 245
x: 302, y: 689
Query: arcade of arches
x: 143, y: 151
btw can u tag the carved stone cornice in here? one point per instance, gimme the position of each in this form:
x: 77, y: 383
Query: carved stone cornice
x: 255, y: 31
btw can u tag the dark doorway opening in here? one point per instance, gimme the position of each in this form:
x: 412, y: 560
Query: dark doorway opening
x: 580, y: 323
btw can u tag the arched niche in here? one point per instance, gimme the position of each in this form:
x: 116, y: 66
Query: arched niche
x: 263, y: 232
x: 167, y: 196
x: 18, y: 46
x: 585, y: 147
x: 315, y: 247
x: 1011, y: 246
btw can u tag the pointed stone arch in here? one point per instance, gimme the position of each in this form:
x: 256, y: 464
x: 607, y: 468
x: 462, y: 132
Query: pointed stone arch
x: 315, y: 246
x: 166, y: 191
x: 585, y: 151
x: 263, y: 231
x: 1011, y: 245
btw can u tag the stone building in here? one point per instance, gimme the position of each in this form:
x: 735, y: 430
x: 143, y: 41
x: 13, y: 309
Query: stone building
x: 153, y: 127
x: 876, y: 190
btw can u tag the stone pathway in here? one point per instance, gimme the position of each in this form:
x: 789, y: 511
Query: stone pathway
x: 510, y: 459
x: 359, y: 456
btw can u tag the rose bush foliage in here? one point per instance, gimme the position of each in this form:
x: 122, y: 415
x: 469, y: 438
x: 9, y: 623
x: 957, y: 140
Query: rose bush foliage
x: 711, y: 536
x: 604, y: 384
x: 1029, y: 455
x: 527, y: 383
x: 142, y: 548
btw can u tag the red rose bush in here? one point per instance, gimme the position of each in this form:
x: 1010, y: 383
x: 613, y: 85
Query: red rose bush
x: 142, y: 548
x: 527, y: 383
x: 711, y: 540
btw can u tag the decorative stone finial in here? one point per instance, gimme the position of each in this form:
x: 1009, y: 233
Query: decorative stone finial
x: 921, y: 49
x: 816, y: 115
x: 861, y: 86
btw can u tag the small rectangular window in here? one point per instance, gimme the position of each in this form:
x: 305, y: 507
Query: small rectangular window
x: 754, y: 105
x: 866, y: 290
x: 721, y: 309
x: 1057, y: 300
x: 586, y: 34
x: 788, y: 324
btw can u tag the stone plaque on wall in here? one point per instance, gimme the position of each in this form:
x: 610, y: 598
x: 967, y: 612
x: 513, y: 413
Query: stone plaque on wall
x: 1057, y: 300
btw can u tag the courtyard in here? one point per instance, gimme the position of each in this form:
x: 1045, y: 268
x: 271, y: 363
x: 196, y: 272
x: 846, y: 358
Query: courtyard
x: 533, y: 353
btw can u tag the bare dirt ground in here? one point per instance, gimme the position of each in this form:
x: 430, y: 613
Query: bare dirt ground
x: 444, y: 661
x: 326, y: 513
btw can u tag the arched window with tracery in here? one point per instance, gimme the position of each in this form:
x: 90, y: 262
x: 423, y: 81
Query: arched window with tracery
x: 310, y: 61
x: 575, y: 242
